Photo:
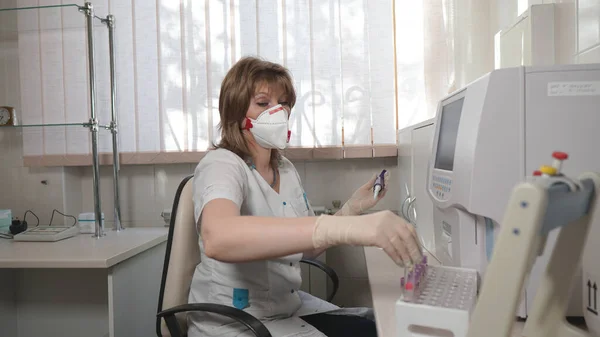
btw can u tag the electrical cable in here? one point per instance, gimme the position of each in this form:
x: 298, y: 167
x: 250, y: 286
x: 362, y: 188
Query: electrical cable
x: 29, y: 211
x: 65, y: 215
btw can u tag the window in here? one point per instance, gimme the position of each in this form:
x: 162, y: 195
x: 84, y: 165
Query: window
x: 360, y: 70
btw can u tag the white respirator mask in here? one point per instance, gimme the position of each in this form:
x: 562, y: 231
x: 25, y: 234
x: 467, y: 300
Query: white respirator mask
x: 270, y: 128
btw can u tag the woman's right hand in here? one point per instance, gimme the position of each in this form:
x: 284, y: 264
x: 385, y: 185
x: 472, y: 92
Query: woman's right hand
x: 382, y: 229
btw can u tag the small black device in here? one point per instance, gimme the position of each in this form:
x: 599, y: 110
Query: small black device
x: 18, y: 226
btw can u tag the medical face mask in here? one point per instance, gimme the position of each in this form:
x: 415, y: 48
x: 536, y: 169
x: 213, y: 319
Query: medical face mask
x: 270, y: 128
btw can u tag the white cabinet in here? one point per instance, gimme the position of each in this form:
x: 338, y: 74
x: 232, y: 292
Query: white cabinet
x: 422, y: 138
x: 405, y: 168
x: 529, y: 40
x: 414, y: 150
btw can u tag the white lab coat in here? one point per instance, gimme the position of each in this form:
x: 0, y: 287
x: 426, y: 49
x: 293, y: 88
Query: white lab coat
x: 268, y: 290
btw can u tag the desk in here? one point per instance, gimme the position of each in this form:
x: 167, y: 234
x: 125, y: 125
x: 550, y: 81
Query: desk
x: 384, y: 279
x: 82, y: 286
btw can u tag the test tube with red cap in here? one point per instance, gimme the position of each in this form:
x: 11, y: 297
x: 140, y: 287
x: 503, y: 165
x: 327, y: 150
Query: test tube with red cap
x: 558, y: 159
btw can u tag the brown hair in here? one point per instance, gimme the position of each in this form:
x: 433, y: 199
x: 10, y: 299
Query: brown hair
x: 237, y: 89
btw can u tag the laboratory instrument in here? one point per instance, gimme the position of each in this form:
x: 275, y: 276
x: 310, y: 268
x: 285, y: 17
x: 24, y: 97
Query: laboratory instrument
x: 544, y: 204
x: 488, y: 135
x: 47, y: 233
x: 379, y: 184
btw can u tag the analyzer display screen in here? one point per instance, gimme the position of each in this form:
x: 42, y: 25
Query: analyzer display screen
x: 444, y: 158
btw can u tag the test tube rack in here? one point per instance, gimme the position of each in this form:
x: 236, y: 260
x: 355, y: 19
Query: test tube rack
x: 436, y: 298
x: 443, y: 298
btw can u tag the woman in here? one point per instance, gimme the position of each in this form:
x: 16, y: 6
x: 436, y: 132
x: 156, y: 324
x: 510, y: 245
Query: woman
x: 256, y: 224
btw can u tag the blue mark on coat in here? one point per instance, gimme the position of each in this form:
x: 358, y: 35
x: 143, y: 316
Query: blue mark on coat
x: 241, y: 298
x: 305, y: 200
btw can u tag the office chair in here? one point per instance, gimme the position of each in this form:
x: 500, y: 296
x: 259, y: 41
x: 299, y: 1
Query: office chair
x: 181, y: 258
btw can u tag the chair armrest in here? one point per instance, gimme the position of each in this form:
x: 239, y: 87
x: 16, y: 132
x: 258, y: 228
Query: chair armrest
x: 329, y: 271
x: 241, y: 316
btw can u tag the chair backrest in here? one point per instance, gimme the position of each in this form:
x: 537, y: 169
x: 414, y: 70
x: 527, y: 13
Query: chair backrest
x: 181, y: 257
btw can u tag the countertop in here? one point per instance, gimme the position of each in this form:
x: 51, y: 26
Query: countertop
x: 82, y: 250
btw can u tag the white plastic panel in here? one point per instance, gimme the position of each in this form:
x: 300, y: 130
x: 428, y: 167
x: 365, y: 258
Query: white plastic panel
x: 540, y: 142
x: 529, y: 40
x: 515, y: 45
x: 422, y: 139
x: 405, y: 168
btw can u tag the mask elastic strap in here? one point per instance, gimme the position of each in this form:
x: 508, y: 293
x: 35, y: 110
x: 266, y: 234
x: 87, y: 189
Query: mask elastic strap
x: 248, y: 125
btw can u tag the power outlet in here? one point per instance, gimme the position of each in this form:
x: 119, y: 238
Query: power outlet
x: 166, y: 215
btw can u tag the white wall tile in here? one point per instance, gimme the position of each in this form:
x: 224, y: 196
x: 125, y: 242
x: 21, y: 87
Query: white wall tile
x: 10, y: 147
x: 106, y: 193
x: 39, y: 197
x: 72, y: 192
x: 166, y: 182
x: 326, y: 181
x: 590, y: 56
x: 10, y: 196
x: 15, y: 154
x: 589, y: 23
x: 137, y: 193
x: 506, y: 11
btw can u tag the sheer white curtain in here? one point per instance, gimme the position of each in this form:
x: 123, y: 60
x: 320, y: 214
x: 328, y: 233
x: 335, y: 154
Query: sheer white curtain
x: 457, y: 40
x: 340, y: 54
x: 439, y: 61
x: 361, y: 69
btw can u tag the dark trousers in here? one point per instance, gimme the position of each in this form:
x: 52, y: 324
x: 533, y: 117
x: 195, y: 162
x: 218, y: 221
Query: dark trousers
x: 342, y: 326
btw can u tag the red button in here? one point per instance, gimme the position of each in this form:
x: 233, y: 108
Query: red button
x: 537, y: 173
x: 560, y: 155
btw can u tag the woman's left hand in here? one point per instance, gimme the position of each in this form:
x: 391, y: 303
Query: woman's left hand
x: 362, y: 200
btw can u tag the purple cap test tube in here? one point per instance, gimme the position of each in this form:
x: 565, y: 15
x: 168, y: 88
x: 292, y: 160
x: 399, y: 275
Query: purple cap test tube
x: 379, y: 184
